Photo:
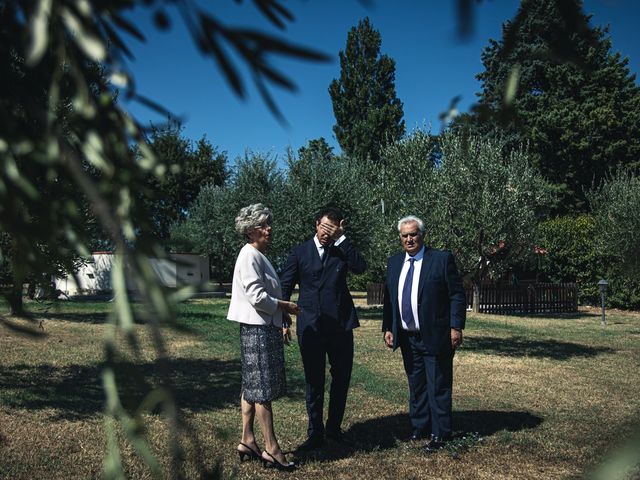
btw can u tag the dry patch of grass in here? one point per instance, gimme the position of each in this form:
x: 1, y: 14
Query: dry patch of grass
x: 548, y: 398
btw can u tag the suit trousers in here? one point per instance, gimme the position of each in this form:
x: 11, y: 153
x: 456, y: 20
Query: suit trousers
x: 315, y: 347
x: 430, y: 385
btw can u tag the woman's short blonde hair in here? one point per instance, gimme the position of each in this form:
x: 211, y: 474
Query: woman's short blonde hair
x: 251, y: 217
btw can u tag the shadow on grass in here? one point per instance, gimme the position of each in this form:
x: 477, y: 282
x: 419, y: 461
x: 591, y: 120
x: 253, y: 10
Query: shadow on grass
x: 526, y: 347
x: 75, y: 391
x: 103, y: 317
x: 76, y: 317
x: 488, y: 422
x: 384, y: 433
x: 25, y: 325
x: 549, y: 315
x: 370, y: 313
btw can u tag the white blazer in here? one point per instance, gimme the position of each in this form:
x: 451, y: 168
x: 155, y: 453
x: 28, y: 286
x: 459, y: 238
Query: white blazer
x: 255, y: 290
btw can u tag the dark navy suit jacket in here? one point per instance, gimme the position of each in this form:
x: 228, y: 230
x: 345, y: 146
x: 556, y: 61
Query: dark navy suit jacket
x: 441, y: 300
x: 323, y: 290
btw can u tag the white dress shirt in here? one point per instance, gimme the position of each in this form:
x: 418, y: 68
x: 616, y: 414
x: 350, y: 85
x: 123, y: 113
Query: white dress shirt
x: 321, y: 248
x: 417, y: 266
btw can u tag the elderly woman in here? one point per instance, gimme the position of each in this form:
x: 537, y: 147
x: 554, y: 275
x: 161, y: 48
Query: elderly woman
x: 264, y: 327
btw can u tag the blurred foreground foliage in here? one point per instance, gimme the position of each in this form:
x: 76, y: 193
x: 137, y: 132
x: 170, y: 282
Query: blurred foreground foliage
x: 68, y: 172
x: 74, y: 167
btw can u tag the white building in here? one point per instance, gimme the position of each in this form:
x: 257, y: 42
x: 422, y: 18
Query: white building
x: 94, y: 277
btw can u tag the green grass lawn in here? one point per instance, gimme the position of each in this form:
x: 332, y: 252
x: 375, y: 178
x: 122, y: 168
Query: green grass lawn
x: 533, y: 397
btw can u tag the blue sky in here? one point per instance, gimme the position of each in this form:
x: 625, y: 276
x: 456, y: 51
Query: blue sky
x: 432, y: 66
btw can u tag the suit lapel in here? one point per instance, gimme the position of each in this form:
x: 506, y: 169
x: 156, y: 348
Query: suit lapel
x: 398, y: 260
x: 427, y: 265
x: 312, y: 251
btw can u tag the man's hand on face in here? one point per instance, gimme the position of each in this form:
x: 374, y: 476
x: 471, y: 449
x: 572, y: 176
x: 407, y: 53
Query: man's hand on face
x: 333, y: 230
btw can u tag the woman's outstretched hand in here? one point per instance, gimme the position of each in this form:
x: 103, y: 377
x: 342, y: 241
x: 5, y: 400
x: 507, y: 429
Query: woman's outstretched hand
x: 289, y: 307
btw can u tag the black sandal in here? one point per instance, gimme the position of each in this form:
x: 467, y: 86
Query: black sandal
x: 250, y: 455
x: 273, y: 463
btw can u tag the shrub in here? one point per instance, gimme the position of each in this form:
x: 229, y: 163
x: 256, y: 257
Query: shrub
x: 572, y: 256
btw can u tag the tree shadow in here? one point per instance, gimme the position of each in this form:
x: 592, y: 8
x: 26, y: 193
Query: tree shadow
x: 384, y: 433
x: 517, y: 346
x: 103, y: 317
x: 76, y: 317
x: 26, y: 326
x: 75, y: 391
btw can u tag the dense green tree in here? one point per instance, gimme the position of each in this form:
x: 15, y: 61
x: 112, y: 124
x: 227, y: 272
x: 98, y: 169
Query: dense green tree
x: 396, y: 190
x: 313, y: 181
x: 210, y: 226
x: 316, y: 178
x: 209, y: 230
x: 190, y: 168
x: 615, y: 204
x: 482, y: 205
x: 475, y: 200
x: 552, y: 82
x: 368, y: 113
x: 316, y: 150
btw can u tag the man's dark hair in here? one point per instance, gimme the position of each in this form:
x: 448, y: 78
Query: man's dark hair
x: 332, y: 213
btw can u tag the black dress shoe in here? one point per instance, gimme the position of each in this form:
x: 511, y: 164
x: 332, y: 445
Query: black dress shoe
x: 434, y: 444
x: 311, y: 443
x: 417, y: 435
x: 337, y: 436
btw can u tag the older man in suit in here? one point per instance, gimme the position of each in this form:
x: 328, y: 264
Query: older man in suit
x: 326, y: 320
x: 424, y: 314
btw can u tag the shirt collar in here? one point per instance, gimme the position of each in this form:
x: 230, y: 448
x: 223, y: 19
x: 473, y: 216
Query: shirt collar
x: 418, y: 256
x: 336, y: 243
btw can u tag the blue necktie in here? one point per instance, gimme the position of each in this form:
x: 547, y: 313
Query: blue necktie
x: 407, y: 311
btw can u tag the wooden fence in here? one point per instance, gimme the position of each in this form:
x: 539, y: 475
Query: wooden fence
x: 375, y: 293
x: 532, y: 298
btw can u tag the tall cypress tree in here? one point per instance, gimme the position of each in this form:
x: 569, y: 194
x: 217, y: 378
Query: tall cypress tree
x: 368, y: 113
x: 576, y: 104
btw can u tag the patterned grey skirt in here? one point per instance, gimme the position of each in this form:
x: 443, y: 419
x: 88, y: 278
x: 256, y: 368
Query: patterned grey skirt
x: 262, y: 357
